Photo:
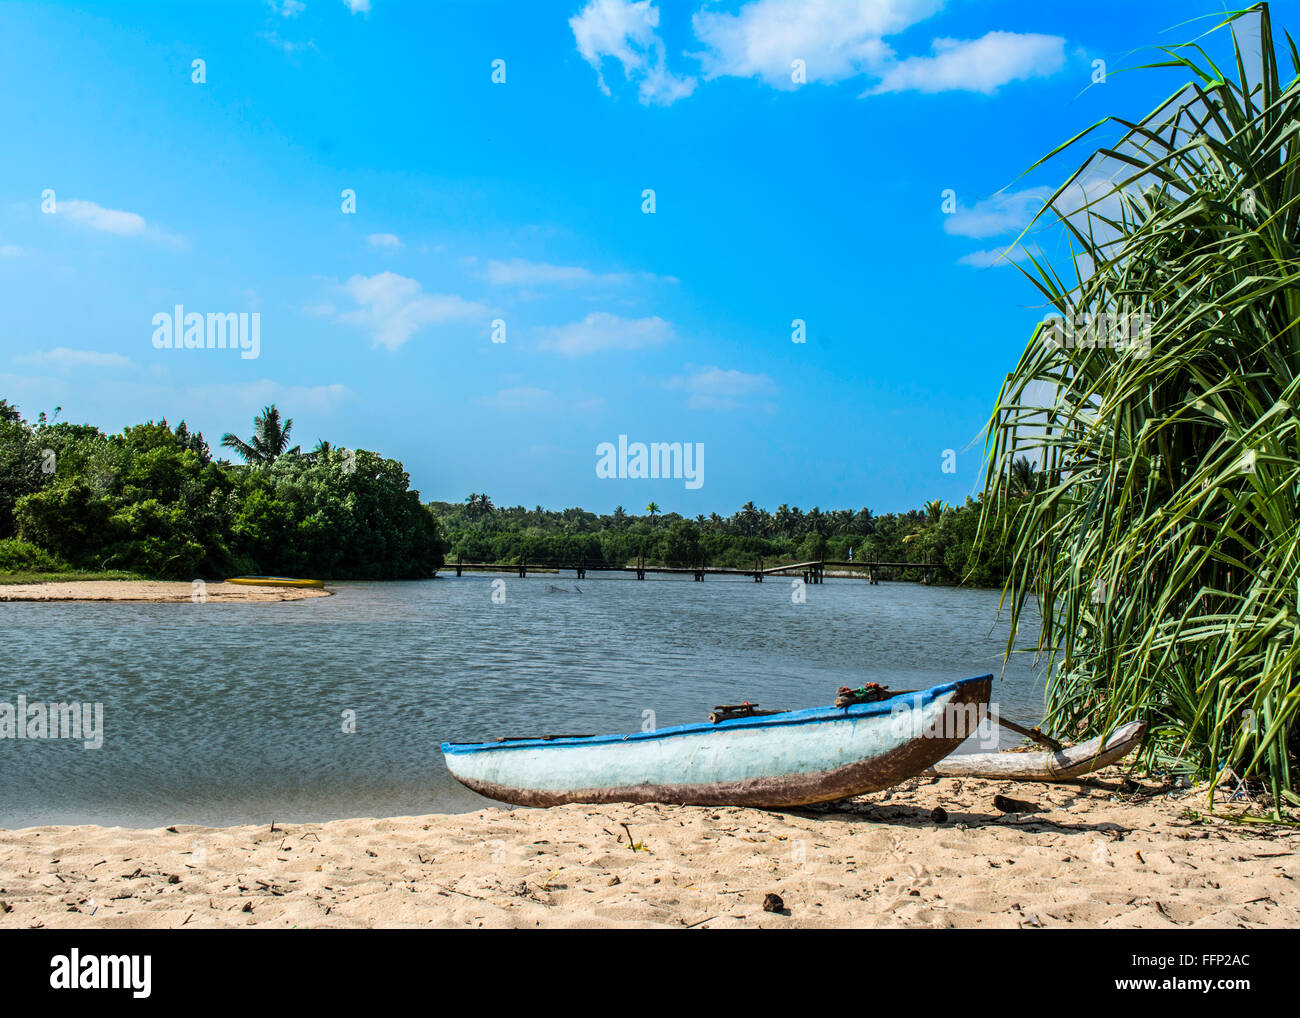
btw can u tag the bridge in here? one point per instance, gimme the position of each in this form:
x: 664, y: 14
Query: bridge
x: 813, y: 571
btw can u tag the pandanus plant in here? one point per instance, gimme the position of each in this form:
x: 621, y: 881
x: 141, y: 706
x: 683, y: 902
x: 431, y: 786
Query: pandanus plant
x: 1161, y: 538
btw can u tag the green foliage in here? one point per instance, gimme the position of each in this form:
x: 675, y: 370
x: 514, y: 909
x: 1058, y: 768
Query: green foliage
x: 22, y: 556
x: 482, y: 532
x: 68, y: 519
x: 1163, y: 540
x: 342, y: 518
x: 153, y: 501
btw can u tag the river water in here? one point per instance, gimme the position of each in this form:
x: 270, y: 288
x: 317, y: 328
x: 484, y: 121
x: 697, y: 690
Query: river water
x: 239, y: 713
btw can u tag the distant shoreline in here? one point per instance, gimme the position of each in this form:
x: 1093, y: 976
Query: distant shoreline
x: 152, y: 592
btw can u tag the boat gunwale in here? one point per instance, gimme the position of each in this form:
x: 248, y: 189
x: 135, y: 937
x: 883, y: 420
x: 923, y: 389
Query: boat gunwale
x: 808, y: 715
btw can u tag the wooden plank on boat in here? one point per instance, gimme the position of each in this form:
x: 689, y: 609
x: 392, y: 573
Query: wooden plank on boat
x: 1071, y: 764
x: 727, y: 711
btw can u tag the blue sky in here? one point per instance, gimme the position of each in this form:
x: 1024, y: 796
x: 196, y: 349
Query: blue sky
x: 523, y: 202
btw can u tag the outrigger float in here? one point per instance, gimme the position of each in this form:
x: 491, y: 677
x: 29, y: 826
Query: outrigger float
x: 1068, y: 763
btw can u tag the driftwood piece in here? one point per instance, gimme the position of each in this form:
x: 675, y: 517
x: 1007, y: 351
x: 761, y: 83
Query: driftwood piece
x: 1008, y: 805
x: 1069, y: 764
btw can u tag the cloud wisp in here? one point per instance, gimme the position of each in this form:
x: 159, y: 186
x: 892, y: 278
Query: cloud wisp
x: 393, y: 308
x: 63, y: 357
x: 601, y: 331
x: 715, y: 388
x: 119, y: 222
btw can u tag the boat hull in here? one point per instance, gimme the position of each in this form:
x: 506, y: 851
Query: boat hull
x: 774, y: 761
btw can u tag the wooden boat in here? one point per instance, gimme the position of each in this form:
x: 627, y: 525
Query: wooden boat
x: 1069, y: 764
x: 275, y: 581
x: 773, y: 760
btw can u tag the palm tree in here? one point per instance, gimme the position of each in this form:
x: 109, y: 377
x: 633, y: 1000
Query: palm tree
x: 270, y: 439
x: 652, y: 509
x: 933, y: 510
x: 1024, y: 478
x: 782, y: 520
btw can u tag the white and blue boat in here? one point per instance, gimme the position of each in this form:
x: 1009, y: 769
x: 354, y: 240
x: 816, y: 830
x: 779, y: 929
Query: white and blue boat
x: 775, y: 760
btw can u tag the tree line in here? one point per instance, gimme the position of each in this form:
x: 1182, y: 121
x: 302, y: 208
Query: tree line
x: 941, y: 535
x: 154, y: 501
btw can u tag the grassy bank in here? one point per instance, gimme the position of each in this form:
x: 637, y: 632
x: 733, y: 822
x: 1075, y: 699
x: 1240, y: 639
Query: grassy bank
x: 69, y: 576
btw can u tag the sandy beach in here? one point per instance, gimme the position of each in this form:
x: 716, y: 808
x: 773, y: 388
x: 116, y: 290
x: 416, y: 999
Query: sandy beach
x: 1093, y: 857
x: 152, y: 591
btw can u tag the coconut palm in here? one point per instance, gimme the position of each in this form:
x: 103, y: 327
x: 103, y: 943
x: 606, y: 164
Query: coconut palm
x: 653, y: 509
x: 1024, y: 478
x: 270, y: 439
x: 1170, y: 468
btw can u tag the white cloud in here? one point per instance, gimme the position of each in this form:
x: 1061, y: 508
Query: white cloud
x: 385, y: 240
x: 287, y: 46
x: 287, y: 8
x: 976, y: 65
x: 87, y: 213
x: 10, y: 251
x: 601, y: 330
x: 836, y: 39
x: 116, y: 221
x: 63, y: 357
x: 357, y: 6
x: 714, y: 388
x: 625, y: 31
x: 995, y: 258
x: 394, y: 308
x: 1004, y: 212
x: 519, y: 272
x: 1008, y: 213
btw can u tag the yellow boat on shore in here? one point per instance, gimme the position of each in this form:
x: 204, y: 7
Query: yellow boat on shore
x: 274, y: 581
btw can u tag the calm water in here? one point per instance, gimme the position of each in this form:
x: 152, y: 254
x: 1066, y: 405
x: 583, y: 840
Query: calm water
x: 222, y: 714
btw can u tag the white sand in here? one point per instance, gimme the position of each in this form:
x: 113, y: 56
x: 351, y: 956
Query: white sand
x: 1092, y: 859
x: 151, y: 590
